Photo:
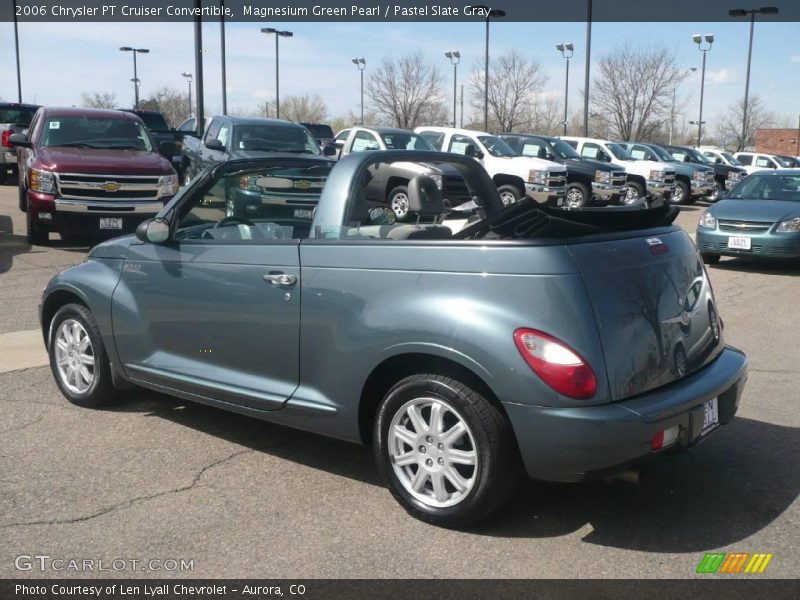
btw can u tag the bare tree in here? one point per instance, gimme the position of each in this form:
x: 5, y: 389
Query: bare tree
x: 729, y: 128
x: 171, y: 102
x: 306, y: 108
x: 545, y: 116
x: 406, y: 91
x: 99, y: 100
x: 634, y: 90
x: 514, y: 82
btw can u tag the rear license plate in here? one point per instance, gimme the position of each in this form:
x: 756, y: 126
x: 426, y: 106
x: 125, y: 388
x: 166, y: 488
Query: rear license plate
x: 111, y: 223
x: 710, y: 416
x: 302, y: 213
x: 740, y: 243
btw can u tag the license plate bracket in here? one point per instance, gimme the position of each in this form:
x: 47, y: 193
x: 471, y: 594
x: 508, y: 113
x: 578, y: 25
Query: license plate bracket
x: 110, y: 223
x: 740, y: 243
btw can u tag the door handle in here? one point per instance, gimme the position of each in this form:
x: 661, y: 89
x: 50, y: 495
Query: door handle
x: 280, y: 279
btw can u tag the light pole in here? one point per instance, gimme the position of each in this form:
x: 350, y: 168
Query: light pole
x: 698, y: 39
x: 566, y: 50
x: 741, y: 12
x: 672, y: 110
x: 188, y: 77
x: 278, y: 35
x: 222, y: 61
x: 455, y: 58
x: 16, y: 50
x: 361, y: 64
x: 135, y: 79
x: 586, y: 81
x: 490, y: 12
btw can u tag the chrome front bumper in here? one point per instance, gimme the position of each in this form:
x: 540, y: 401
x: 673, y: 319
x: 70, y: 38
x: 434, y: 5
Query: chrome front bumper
x: 117, y: 207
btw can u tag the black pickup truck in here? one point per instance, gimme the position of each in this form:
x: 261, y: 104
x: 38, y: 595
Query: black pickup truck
x: 227, y: 138
x: 14, y: 118
x: 589, y: 182
x: 725, y: 176
x: 160, y: 130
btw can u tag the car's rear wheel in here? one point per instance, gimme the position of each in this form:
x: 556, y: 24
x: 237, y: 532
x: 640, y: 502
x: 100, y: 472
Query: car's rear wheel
x: 577, y: 196
x: 34, y: 235
x: 398, y: 202
x: 710, y: 259
x: 634, y: 190
x: 446, y: 453
x: 78, y: 358
x: 509, y: 194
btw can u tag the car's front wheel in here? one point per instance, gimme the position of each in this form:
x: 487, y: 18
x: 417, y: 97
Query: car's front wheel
x: 633, y: 192
x: 78, y: 358
x: 710, y: 259
x: 446, y: 453
x: 716, y: 192
x: 34, y: 235
x: 509, y: 194
x: 681, y: 193
x: 578, y: 196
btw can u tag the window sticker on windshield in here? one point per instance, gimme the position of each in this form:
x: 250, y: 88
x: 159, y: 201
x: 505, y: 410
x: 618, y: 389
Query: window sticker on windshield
x: 55, y: 124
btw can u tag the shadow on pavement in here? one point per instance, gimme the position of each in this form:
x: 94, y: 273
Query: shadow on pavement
x: 732, y: 486
x: 12, y: 245
x: 770, y: 266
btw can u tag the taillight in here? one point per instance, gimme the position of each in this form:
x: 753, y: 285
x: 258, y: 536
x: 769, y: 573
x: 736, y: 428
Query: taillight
x: 558, y: 365
x: 6, y: 135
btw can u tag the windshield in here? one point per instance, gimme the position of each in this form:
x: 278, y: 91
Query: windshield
x: 619, y: 152
x: 95, y: 132
x: 275, y: 138
x: 20, y: 115
x: 699, y: 156
x: 564, y: 150
x: 405, y: 141
x: 496, y: 146
x: 154, y: 121
x: 785, y: 161
x: 662, y: 154
x: 321, y: 132
x: 732, y: 160
x: 767, y: 187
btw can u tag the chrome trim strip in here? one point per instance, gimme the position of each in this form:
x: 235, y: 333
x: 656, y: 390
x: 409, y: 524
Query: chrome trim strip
x: 117, y: 207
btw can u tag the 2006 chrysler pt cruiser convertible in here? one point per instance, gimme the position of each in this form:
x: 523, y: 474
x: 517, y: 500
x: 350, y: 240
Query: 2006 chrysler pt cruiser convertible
x: 464, y: 343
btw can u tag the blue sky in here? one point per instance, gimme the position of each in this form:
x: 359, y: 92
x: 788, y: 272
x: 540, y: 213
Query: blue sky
x: 61, y: 60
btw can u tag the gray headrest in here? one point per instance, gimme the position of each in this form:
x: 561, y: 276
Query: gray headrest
x: 424, y: 198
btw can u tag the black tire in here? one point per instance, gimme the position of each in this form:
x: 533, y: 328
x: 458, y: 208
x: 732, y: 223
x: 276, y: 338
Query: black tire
x: 23, y: 199
x: 719, y: 187
x: 710, y: 259
x: 3, y: 176
x: 496, y: 472
x: 34, y: 235
x: 633, y: 186
x: 575, y: 189
x: 682, y: 193
x: 398, y: 202
x: 507, y: 191
x: 101, y: 392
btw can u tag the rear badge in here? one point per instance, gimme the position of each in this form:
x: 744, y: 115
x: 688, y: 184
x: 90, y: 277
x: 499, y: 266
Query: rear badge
x: 657, y: 246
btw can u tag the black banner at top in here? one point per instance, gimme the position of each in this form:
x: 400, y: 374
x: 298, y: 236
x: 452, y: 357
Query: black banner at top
x: 388, y: 10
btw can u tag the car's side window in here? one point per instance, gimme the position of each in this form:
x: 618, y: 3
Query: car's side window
x: 259, y: 205
x: 640, y: 153
x: 223, y: 135
x: 572, y: 143
x: 591, y: 150
x: 745, y: 159
x: 434, y: 138
x: 188, y: 125
x: 364, y: 140
x: 532, y: 148
x: 213, y: 130
x: 763, y: 161
x: 459, y: 143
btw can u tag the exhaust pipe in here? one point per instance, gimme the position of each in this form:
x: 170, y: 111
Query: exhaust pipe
x: 629, y: 476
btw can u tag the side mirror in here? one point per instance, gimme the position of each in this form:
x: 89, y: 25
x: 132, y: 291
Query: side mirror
x: 154, y: 231
x: 381, y: 215
x: 329, y: 150
x: 168, y: 148
x: 214, y: 144
x: 20, y: 140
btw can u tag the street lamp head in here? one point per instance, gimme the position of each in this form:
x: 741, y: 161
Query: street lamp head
x: 126, y: 49
x: 768, y: 10
x: 737, y: 12
x: 142, y: 50
x: 285, y: 33
x: 188, y: 76
x: 497, y: 13
x: 569, y: 46
x: 560, y: 47
x: 697, y: 38
x: 457, y: 54
x: 268, y: 30
x: 709, y: 38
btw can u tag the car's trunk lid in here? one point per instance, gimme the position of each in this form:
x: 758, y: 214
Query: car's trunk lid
x: 654, y: 308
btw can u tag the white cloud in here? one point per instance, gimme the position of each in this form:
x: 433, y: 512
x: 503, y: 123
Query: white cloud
x: 722, y: 77
x: 795, y: 58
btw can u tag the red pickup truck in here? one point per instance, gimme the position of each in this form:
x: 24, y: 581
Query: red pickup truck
x: 90, y: 172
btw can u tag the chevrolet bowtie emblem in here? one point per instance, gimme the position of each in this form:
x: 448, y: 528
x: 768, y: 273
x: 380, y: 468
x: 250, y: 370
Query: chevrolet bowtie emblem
x: 111, y: 186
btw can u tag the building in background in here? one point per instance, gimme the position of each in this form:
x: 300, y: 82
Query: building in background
x: 778, y: 141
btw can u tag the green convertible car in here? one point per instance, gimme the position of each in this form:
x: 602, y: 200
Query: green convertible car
x: 759, y: 217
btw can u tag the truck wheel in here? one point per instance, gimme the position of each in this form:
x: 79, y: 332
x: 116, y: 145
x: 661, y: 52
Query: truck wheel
x: 398, y: 202
x: 34, y: 235
x: 509, y: 194
x: 710, y: 259
x: 633, y: 192
x: 715, y: 194
x: 446, y: 453
x: 78, y: 359
x: 681, y: 193
x: 577, y: 196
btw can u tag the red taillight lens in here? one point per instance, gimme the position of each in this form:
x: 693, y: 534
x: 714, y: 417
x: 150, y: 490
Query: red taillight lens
x: 6, y: 135
x: 557, y: 364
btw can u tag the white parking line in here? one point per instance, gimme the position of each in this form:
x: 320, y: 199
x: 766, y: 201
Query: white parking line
x: 22, y: 350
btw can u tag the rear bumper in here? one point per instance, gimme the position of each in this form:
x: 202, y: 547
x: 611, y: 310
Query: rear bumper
x: 8, y: 160
x: 767, y: 245
x: 573, y: 444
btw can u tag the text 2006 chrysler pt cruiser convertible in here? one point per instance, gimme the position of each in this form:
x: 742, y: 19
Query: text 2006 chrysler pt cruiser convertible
x: 468, y: 341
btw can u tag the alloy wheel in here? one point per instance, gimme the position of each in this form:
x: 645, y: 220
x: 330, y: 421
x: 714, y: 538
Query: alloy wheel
x: 574, y: 198
x: 433, y: 452
x: 399, y: 204
x: 508, y: 198
x: 631, y: 195
x: 75, y: 357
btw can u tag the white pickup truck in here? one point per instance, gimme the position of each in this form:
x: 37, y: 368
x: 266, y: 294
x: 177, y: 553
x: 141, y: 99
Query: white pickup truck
x: 515, y: 176
x: 648, y: 178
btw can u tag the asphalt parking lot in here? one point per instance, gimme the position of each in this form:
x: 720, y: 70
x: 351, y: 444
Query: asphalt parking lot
x: 160, y: 478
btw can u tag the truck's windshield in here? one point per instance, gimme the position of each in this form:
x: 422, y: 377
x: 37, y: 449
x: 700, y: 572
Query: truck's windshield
x: 496, y: 146
x: 153, y: 120
x: 18, y: 115
x: 405, y: 141
x: 732, y: 160
x: 564, y: 150
x: 619, y: 152
x: 96, y: 133
x: 275, y: 138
